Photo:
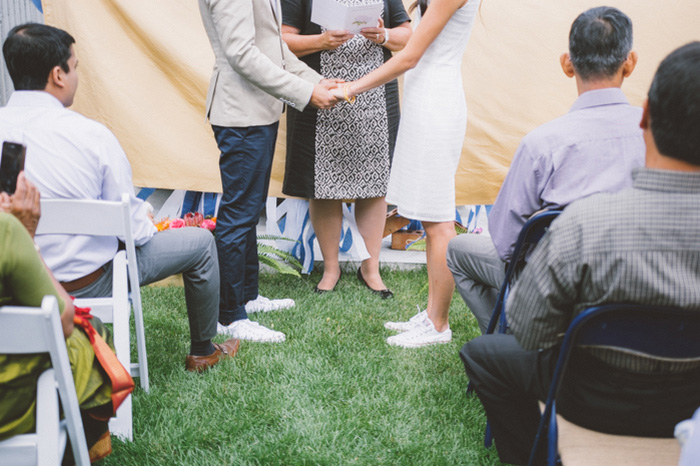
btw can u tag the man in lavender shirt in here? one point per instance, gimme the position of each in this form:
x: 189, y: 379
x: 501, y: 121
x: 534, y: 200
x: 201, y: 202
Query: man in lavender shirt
x: 591, y: 149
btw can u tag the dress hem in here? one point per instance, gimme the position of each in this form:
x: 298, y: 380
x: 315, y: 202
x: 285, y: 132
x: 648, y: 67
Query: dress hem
x: 418, y: 216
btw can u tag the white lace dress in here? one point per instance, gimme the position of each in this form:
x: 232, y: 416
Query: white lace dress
x: 432, y: 127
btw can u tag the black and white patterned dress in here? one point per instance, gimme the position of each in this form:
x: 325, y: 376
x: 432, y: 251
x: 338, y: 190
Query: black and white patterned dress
x: 344, y: 152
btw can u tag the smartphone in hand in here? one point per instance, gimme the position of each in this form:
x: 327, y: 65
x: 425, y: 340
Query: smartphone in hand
x: 11, y: 163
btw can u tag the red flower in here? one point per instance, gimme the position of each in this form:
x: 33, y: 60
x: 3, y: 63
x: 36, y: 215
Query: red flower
x: 208, y: 224
x: 193, y: 219
x: 177, y: 223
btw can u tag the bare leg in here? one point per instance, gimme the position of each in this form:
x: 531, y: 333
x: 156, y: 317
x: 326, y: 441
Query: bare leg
x: 441, y: 285
x: 370, y: 215
x: 327, y: 218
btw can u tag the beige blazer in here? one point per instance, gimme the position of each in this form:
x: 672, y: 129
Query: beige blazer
x: 255, y: 74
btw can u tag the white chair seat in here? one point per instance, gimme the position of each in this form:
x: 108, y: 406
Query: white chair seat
x: 583, y: 447
x: 578, y: 446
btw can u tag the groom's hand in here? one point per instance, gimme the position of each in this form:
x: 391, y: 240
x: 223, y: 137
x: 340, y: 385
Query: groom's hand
x: 322, y: 97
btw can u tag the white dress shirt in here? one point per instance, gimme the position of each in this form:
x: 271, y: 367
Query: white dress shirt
x: 70, y: 156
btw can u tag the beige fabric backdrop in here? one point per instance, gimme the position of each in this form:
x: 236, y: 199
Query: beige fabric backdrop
x: 144, y: 70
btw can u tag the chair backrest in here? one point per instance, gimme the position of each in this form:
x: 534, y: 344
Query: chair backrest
x: 25, y: 330
x: 652, y: 330
x: 531, y: 233
x: 94, y: 218
x: 101, y: 218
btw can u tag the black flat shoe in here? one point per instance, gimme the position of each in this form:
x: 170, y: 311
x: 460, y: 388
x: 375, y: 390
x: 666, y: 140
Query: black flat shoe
x: 318, y: 290
x: 385, y: 293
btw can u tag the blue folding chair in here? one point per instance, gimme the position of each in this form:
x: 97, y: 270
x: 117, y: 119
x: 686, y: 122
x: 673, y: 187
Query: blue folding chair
x: 531, y: 234
x: 656, y: 331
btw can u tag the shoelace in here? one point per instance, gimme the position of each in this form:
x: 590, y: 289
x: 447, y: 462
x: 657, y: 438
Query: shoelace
x: 257, y: 326
x: 265, y: 304
x: 220, y: 348
x: 418, y: 316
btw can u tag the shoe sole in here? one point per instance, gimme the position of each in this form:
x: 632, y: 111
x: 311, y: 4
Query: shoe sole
x: 416, y: 345
x: 225, y: 331
x: 253, y: 311
x: 261, y: 340
x: 388, y: 326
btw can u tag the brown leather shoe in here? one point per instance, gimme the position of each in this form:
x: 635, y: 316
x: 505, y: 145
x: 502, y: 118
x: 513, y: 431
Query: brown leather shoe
x: 227, y: 349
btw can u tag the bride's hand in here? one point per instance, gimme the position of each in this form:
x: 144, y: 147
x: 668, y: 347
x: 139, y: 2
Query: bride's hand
x: 331, y: 83
x: 337, y: 92
x: 343, y: 92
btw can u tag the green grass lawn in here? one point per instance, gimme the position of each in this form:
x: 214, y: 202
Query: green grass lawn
x: 334, y: 393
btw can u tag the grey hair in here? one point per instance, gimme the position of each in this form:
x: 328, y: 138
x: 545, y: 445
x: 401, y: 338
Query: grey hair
x: 600, y: 41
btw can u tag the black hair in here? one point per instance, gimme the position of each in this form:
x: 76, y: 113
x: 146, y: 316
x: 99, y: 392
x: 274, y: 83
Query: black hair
x: 674, y: 104
x: 32, y: 50
x: 600, y: 41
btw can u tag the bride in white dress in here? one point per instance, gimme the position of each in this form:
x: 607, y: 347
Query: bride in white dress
x: 428, y: 147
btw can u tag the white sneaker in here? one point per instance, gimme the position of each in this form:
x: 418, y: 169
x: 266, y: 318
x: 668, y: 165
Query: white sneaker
x: 246, y: 329
x: 263, y: 304
x: 422, y: 334
x: 406, y: 326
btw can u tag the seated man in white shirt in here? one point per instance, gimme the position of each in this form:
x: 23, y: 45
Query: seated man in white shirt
x: 72, y: 157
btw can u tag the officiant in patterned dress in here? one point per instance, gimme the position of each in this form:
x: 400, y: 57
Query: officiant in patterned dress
x: 345, y: 152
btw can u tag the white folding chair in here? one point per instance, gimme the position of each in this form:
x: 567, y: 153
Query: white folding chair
x: 108, y: 218
x: 26, y: 330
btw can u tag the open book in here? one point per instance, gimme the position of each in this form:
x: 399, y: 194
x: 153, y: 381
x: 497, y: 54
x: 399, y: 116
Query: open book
x: 335, y: 16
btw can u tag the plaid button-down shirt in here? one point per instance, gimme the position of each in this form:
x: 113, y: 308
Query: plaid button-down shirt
x: 640, y: 245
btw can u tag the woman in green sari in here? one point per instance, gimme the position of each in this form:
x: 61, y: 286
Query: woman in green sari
x: 24, y: 281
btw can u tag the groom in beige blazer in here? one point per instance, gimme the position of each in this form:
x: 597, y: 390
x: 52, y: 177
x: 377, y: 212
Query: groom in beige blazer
x: 255, y: 76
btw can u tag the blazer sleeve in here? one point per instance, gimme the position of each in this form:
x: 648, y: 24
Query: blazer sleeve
x: 299, y: 68
x: 235, y: 26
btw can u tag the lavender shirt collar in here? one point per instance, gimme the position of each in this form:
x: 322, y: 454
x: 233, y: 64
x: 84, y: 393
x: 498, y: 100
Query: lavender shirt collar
x: 599, y: 97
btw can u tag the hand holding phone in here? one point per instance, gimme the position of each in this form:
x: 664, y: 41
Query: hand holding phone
x: 25, y: 204
x: 11, y: 163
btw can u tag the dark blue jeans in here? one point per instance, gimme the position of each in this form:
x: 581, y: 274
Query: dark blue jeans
x: 245, y: 164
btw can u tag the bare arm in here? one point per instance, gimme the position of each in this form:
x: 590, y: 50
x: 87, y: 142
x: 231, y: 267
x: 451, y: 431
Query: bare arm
x: 435, y: 19
x: 301, y: 44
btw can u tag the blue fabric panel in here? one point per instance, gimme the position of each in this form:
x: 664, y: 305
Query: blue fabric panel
x: 210, y: 204
x: 144, y: 193
x: 345, y: 240
x: 191, y: 202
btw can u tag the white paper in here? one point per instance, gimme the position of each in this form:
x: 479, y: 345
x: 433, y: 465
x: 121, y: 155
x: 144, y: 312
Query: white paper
x: 335, y: 16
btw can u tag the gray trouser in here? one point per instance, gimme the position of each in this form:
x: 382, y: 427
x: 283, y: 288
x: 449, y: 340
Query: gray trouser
x: 509, y: 381
x: 189, y: 251
x: 478, y: 274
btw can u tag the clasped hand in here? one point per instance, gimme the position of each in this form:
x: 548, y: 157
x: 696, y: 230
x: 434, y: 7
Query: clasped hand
x: 324, y: 95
